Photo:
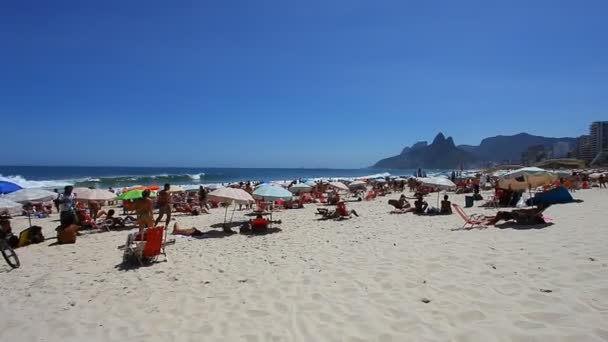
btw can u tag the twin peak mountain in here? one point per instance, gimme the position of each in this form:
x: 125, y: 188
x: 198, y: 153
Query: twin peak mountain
x: 442, y: 153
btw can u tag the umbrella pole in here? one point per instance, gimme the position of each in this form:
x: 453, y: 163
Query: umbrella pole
x: 232, y: 216
x: 225, y: 214
x: 29, y: 218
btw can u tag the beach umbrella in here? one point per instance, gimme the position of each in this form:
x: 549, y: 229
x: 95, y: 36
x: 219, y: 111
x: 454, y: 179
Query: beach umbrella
x: 30, y: 195
x: 272, y: 193
x: 380, y: 180
x: 338, y: 186
x: 300, y: 187
x: 437, y: 182
x: 525, y: 178
x: 8, y: 187
x: 133, y: 194
x: 93, y: 194
x: 229, y: 195
x: 440, y: 183
x: 357, y: 185
x: 10, y: 207
x: 596, y: 175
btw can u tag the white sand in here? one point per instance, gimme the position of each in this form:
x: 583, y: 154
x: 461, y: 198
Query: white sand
x: 358, y: 280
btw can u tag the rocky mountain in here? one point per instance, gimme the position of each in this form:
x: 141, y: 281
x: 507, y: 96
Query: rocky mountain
x: 510, y: 147
x: 441, y: 153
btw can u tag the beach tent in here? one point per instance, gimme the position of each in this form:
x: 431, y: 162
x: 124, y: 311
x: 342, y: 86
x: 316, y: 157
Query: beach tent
x: 8, y: 187
x: 271, y: 193
x: 554, y: 196
x: 527, y: 177
x: 10, y: 207
x: 30, y: 195
x: 93, y: 194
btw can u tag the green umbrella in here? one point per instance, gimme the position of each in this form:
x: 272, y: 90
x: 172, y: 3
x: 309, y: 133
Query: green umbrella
x: 133, y: 194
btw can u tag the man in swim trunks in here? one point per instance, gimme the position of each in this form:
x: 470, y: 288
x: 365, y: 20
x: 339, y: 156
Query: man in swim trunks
x: 143, y: 208
x: 164, y: 205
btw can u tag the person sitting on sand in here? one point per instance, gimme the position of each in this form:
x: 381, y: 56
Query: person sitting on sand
x: 67, y: 233
x: 6, y: 232
x: 400, y: 204
x: 143, y: 209
x: 420, y: 204
x: 343, y: 211
x: 446, y: 206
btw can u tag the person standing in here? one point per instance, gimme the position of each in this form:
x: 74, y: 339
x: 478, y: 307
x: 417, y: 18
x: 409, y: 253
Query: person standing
x: 143, y: 209
x: 66, y: 202
x: 202, y: 197
x: 602, y: 181
x: 164, y: 205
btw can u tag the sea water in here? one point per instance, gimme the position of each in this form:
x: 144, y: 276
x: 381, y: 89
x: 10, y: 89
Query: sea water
x: 104, y: 177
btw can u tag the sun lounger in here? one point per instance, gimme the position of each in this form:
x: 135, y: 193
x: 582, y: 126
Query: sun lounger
x: 472, y: 220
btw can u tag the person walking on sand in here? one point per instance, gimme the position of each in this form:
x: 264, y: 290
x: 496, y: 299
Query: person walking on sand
x: 144, y: 208
x: 602, y: 181
x: 164, y: 205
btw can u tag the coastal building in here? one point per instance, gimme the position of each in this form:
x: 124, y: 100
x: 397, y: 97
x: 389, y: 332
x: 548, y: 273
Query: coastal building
x: 560, y: 149
x: 599, y: 137
x: 533, y: 155
x: 584, y: 149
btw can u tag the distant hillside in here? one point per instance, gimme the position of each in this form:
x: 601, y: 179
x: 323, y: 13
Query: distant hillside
x: 440, y: 154
x: 510, y: 147
x: 443, y: 154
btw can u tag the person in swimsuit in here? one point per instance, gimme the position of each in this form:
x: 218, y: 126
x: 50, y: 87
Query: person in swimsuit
x: 143, y: 208
x: 185, y: 231
x: 164, y: 205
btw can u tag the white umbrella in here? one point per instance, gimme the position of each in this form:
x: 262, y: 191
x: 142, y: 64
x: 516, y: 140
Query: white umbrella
x: 93, y: 194
x: 437, y: 182
x: 230, y: 195
x: 300, y: 187
x: 338, y: 186
x: 357, y: 184
x: 596, y: 175
x: 30, y: 195
x: 10, y: 207
x: 525, y: 178
x: 214, y: 186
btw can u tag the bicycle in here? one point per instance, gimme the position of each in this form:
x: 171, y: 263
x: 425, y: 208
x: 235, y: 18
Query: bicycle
x: 9, y: 254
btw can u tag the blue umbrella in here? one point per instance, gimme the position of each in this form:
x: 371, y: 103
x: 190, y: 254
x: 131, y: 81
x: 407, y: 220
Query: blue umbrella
x: 272, y: 193
x: 8, y: 187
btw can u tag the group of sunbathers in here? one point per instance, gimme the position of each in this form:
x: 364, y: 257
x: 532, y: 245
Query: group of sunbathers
x: 420, y: 205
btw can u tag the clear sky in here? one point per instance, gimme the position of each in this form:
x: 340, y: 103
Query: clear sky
x: 333, y: 83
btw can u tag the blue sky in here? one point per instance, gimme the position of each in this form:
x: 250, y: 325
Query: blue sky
x: 290, y: 84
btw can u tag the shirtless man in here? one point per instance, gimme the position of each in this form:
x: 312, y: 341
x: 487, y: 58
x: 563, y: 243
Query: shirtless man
x: 164, y: 205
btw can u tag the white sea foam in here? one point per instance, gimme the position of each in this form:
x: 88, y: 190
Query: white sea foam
x: 25, y: 183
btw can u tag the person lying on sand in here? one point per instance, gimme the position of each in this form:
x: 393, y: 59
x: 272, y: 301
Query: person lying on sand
x: 340, y: 212
x: 521, y: 216
x: 115, y: 222
x: 400, y: 204
x: 185, y: 231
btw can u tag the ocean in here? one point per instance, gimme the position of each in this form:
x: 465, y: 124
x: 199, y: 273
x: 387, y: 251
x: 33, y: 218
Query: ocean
x: 104, y: 177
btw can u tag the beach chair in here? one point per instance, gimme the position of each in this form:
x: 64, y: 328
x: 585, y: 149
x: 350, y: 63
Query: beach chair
x: 146, y: 250
x: 473, y: 220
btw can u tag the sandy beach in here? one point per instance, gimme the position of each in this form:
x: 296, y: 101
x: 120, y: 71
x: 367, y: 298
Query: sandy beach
x: 378, y: 277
